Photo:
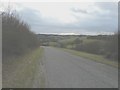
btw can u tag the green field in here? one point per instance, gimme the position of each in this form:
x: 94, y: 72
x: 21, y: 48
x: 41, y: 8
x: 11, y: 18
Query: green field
x: 97, y: 58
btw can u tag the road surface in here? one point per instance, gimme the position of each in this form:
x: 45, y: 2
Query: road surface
x: 64, y: 70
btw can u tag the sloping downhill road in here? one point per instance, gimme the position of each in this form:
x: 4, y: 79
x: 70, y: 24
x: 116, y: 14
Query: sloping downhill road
x: 64, y: 70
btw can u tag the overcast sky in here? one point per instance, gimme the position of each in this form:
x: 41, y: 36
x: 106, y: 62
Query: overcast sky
x: 69, y: 17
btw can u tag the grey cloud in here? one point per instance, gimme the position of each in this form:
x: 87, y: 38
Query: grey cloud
x: 78, y: 10
x: 100, y: 23
x: 112, y: 7
x: 108, y: 5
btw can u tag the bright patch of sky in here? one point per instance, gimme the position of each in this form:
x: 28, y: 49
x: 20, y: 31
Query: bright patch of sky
x: 68, y: 17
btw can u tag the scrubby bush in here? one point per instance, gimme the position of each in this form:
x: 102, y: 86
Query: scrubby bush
x: 16, y: 36
x: 90, y: 47
x: 107, y: 47
x: 112, y: 48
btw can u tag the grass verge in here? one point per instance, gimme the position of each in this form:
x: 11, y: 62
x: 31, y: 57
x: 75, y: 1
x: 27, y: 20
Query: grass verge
x: 19, y: 72
x: 97, y: 58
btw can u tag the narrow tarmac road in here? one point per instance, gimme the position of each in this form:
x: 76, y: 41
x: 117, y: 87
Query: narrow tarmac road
x: 64, y: 70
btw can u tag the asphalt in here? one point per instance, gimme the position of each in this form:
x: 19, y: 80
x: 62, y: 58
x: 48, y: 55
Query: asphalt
x: 64, y: 70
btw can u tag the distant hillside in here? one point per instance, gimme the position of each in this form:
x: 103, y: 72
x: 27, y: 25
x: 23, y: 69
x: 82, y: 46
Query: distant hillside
x: 105, y: 45
x: 55, y: 38
x: 46, y: 38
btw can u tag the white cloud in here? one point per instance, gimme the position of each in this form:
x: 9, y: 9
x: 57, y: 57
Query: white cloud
x: 59, y: 11
x: 69, y: 18
x: 60, y: 0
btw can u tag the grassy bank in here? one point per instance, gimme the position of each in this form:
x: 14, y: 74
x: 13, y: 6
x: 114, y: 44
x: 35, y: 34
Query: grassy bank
x: 97, y: 58
x: 19, y: 72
